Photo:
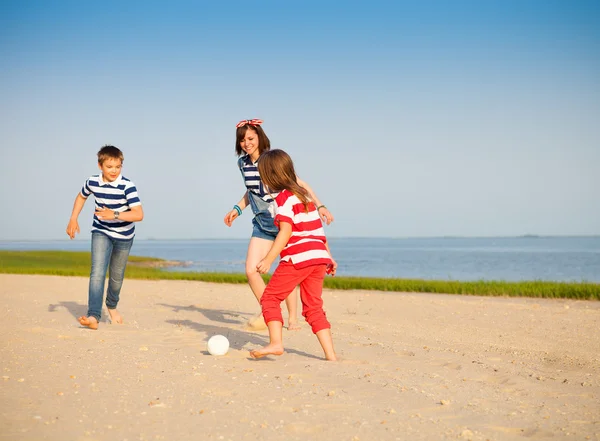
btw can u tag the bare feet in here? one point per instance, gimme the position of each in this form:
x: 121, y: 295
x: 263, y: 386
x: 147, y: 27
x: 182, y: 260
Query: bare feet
x: 90, y: 322
x: 267, y: 350
x: 115, y: 317
x: 293, y: 325
x: 256, y: 323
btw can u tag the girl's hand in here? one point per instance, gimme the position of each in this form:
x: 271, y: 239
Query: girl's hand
x: 72, y: 228
x: 230, y: 217
x: 325, y: 215
x: 332, y: 267
x: 263, y: 266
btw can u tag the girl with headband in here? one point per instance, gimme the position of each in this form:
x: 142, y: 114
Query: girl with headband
x: 251, y: 142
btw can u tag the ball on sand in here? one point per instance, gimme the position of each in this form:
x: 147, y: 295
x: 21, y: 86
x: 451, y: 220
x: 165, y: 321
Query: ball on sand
x: 218, y: 345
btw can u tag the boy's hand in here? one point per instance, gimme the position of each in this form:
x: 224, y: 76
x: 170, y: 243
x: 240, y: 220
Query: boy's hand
x: 105, y: 214
x: 263, y: 266
x: 72, y: 228
x: 230, y: 217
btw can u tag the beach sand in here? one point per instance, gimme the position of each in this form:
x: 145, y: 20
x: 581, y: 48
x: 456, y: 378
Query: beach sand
x: 414, y: 367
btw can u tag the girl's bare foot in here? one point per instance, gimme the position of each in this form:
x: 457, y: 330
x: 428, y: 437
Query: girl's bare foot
x: 293, y: 325
x: 115, y: 317
x: 267, y: 350
x: 89, y: 322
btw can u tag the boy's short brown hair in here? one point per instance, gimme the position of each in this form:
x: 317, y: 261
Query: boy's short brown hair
x: 109, y: 151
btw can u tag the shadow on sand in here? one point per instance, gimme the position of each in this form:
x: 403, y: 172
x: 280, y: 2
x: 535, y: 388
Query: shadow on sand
x: 214, y: 315
x: 76, y: 309
x: 238, y: 339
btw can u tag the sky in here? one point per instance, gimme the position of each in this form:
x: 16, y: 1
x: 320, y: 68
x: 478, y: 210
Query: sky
x: 407, y: 118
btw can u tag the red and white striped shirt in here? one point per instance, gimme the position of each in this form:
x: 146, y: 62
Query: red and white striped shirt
x: 306, y: 246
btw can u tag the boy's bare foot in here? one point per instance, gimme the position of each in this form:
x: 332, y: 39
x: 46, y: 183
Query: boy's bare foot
x: 257, y: 323
x: 267, y: 350
x: 115, y: 317
x: 90, y: 322
x: 293, y: 325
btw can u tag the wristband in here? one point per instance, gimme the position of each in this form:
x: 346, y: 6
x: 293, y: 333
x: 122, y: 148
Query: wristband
x: 321, y: 206
x: 238, y: 209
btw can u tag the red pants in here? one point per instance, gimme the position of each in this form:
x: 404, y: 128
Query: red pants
x: 284, y: 280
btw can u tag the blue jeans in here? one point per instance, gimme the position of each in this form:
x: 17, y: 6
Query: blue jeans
x: 111, y: 254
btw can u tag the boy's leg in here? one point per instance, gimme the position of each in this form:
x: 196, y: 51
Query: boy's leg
x: 311, y: 290
x: 101, y: 250
x: 116, y: 274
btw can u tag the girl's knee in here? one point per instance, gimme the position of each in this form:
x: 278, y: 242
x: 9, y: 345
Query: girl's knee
x: 251, y: 267
x: 251, y: 272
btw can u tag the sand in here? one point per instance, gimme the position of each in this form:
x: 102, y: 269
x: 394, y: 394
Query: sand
x: 414, y: 367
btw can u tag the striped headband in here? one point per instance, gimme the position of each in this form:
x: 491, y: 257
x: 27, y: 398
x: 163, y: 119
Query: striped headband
x: 252, y: 122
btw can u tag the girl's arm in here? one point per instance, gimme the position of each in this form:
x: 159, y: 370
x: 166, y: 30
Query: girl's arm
x: 73, y: 226
x: 285, y: 232
x: 233, y: 214
x: 324, y: 213
x: 333, y: 268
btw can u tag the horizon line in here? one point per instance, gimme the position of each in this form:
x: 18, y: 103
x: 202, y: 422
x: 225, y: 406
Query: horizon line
x: 521, y: 236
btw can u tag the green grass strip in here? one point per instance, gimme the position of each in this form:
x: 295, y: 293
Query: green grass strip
x: 69, y: 263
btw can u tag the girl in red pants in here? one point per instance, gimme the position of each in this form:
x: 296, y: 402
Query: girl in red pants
x: 305, y: 256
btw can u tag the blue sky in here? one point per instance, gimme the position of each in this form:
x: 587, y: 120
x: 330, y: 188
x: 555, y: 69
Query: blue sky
x: 433, y: 118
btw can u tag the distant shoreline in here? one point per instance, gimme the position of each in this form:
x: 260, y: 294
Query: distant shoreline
x: 523, y: 236
x: 77, y: 263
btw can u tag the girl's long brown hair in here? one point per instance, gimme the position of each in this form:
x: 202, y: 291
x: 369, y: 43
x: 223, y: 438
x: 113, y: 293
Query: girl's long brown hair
x: 276, y: 170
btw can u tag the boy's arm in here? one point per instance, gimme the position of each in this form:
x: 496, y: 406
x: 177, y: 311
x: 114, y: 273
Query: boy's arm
x: 73, y: 226
x: 324, y: 213
x: 285, y: 232
x: 135, y: 214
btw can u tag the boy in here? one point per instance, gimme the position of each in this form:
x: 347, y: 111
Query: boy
x: 117, y: 207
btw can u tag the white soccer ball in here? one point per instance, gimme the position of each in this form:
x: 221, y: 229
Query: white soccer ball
x: 218, y: 345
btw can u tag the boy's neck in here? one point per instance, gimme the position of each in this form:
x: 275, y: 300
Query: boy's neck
x: 108, y: 181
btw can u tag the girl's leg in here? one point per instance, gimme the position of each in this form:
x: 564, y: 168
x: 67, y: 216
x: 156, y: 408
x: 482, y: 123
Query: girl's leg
x: 311, y: 290
x: 284, y: 279
x: 275, y: 346
x: 257, y: 250
x: 324, y: 336
x: 291, y: 302
x: 116, y: 274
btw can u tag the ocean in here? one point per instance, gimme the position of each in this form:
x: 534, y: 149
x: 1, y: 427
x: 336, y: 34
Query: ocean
x: 573, y: 259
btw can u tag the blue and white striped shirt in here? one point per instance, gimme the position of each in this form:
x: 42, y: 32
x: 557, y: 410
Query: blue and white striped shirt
x: 261, y: 202
x: 119, y: 195
x: 252, y: 180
